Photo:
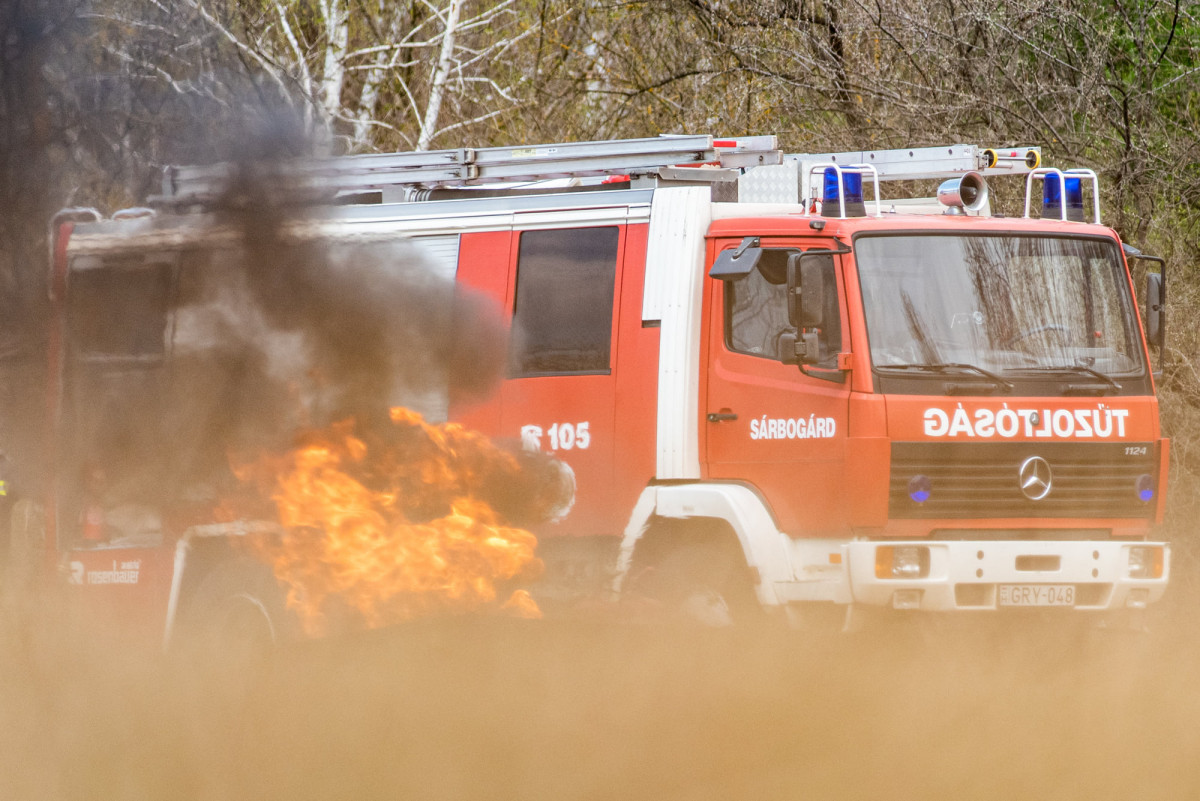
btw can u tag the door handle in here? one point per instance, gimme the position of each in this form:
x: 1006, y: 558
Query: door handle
x: 721, y: 416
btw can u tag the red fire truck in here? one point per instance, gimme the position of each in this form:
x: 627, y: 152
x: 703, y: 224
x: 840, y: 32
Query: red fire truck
x: 773, y: 385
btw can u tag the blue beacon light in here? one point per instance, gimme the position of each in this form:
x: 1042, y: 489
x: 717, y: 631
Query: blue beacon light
x: 1053, y: 196
x: 920, y: 487
x: 853, y: 184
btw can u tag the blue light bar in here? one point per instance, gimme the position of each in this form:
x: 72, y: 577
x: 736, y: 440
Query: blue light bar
x: 1052, y: 198
x: 1074, y: 190
x: 852, y: 181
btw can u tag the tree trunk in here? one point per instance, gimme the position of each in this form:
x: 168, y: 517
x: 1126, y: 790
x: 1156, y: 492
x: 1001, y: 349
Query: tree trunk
x: 337, y: 37
x: 437, y: 89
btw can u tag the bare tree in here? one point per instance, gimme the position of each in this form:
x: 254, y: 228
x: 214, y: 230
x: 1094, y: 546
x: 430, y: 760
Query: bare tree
x: 368, y: 75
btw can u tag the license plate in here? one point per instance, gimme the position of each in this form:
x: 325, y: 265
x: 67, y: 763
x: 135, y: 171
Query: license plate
x: 1037, y: 594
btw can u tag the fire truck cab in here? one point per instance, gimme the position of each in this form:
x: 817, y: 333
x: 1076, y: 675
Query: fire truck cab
x: 770, y: 392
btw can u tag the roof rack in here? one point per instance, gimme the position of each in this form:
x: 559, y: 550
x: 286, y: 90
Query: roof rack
x: 462, y: 167
x: 794, y: 181
x: 913, y: 163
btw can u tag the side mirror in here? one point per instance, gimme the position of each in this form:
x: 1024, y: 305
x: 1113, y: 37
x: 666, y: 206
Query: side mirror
x: 806, y: 306
x: 794, y: 289
x: 1154, y: 309
x: 735, y: 264
x: 799, y: 348
x: 1156, y: 297
x: 806, y: 290
x: 812, y: 294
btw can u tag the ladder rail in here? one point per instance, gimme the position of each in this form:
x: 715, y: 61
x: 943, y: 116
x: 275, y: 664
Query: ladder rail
x: 479, y: 166
x: 904, y: 164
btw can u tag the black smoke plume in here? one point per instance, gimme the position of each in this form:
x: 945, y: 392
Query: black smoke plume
x: 278, y: 331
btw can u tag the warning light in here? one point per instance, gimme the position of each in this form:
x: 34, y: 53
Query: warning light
x: 1145, y: 487
x: 920, y: 488
x: 852, y: 183
x: 1053, y: 197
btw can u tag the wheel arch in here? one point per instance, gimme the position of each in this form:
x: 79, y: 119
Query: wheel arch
x: 214, y: 569
x: 672, y: 515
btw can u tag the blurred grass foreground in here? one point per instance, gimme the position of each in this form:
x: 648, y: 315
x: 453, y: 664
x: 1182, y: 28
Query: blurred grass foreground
x: 498, y: 708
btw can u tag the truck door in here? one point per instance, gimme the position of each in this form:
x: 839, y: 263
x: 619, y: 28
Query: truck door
x: 781, y: 427
x: 561, y: 394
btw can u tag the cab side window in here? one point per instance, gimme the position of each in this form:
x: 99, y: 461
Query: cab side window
x: 756, y: 309
x: 120, y: 311
x: 563, y: 312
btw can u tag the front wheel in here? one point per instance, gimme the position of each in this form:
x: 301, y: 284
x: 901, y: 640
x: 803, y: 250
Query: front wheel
x: 702, y: 584
x: 238, y: 611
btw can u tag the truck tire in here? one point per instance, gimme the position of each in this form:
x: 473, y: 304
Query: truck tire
x: 694, y: 575
x: 238, y: 610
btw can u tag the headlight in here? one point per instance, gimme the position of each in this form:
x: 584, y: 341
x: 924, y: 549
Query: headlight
x: 901, y: 562
x: 1146, y: 562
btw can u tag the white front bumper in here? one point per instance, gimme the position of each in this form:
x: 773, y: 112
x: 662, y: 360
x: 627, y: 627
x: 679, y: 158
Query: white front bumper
x: 966, y: 574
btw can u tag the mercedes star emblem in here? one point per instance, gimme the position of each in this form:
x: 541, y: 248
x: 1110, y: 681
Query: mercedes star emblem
x: 1035, y: 478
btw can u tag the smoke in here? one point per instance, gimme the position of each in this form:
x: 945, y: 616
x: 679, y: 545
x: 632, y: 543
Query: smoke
x: 281, y: 331
x: 374, y: 321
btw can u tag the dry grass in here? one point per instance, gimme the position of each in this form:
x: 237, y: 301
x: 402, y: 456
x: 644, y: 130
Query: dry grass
x: 497, y: 708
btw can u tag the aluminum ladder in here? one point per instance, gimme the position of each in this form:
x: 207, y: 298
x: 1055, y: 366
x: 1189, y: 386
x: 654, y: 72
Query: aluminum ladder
x: 476, y: 166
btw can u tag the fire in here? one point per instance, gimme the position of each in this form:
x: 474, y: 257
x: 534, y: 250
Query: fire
x: 396, y: 523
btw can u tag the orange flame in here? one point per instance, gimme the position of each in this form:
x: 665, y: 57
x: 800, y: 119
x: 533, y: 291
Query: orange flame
x: 394, y: 530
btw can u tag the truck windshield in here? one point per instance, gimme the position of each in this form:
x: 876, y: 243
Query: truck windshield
x: 1007, y: 304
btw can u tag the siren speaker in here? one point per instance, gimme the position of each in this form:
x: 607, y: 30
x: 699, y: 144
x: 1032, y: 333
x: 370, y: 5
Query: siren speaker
x: 970, y: 192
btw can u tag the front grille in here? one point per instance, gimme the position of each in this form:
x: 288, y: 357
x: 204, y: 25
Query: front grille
x: 981, y: 480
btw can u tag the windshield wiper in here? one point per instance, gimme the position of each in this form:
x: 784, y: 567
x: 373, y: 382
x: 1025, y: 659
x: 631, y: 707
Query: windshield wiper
x: 1074, y: 368
x: 947, y: 367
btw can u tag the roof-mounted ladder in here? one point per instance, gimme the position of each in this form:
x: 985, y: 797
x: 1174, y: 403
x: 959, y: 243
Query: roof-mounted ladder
x: 794, y: 181
x: 914, y: 163
x: 478, y: 166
